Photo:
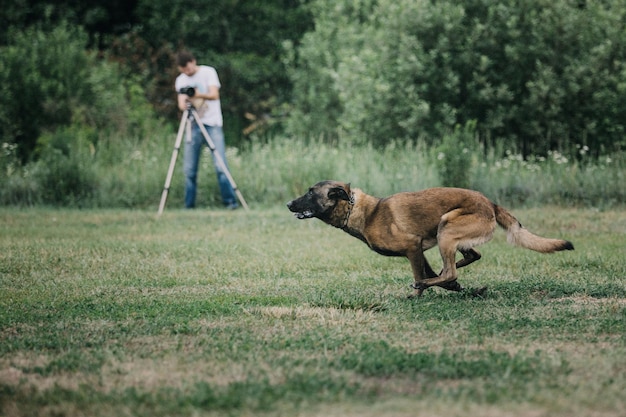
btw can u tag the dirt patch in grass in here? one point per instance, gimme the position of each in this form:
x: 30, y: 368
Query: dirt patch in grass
x: 322, y: 314
x: 586, y: 300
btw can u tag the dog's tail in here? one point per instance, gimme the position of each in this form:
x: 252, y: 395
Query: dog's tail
x: 518, y: 235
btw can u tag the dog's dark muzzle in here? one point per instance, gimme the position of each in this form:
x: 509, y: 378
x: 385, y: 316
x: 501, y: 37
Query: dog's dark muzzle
x: 298, y: 210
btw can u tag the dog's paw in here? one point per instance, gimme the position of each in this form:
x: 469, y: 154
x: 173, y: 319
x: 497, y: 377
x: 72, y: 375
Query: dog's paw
x: 419, y: 289
x: 420, y: 286
x: 452, y: 286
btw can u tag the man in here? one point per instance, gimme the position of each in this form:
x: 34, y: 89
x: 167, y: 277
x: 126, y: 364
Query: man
x: 206, y: 100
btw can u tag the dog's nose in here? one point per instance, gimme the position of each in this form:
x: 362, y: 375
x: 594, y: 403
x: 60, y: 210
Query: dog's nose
x: 289, y: 204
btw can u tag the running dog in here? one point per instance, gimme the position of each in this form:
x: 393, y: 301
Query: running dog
x: 406, y: 224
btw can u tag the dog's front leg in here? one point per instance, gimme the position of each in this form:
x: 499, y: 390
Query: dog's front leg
x: 421, y: 269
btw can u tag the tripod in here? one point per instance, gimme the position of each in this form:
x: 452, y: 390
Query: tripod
x: 185, y: 122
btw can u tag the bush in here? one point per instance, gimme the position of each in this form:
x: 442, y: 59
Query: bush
x: 64, y: 173
x: 130, y: 172
x: 454, y: 157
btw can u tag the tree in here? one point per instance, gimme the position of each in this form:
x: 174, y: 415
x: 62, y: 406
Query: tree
x: 49, y: 80
x: 243, y: 39
x: 534, y: 75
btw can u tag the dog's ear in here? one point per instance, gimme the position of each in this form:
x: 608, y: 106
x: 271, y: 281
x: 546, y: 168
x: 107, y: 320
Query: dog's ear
x: 338, y: 193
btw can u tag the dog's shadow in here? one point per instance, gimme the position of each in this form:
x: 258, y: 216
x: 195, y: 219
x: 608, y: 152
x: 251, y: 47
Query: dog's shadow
x: 480, y: 292
x: 467, y: 292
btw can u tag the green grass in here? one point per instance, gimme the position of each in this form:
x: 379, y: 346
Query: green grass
x: 216, y: 313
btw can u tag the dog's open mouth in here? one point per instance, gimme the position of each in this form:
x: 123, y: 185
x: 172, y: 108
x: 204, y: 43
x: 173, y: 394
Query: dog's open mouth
x: 304, y: 214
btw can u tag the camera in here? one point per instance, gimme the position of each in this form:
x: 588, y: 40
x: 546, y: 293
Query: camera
x: 190, y: 91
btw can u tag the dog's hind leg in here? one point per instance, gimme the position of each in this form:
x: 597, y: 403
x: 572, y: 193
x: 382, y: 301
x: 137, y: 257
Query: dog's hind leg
x: 450, y: 286
x: 423, y: 273
x: 447, y: 278
x: 447, y: 249
x: 469, y: 256
x: 459, y: 231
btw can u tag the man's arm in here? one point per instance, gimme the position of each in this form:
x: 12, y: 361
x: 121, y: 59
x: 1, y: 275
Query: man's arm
x: 213, y: 94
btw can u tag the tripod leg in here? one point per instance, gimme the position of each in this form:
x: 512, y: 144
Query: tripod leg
x: 170, y: 171
x: 218, y: 159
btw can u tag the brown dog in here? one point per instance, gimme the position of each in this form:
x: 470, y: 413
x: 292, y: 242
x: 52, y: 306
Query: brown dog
x: 407, y: 224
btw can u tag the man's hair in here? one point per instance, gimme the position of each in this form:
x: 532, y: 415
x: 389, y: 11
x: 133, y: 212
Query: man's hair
x: 183, y: 58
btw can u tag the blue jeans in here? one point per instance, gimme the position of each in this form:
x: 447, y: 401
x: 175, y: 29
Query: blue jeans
x: 193, y: 149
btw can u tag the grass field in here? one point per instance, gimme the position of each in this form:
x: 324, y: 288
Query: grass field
x: 216, y: 313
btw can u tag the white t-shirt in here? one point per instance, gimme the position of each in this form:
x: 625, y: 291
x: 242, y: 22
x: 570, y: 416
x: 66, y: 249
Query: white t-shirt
x: 210, y: 111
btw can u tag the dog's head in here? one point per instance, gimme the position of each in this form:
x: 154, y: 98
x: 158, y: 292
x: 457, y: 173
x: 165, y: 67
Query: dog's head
x: 321, y: 201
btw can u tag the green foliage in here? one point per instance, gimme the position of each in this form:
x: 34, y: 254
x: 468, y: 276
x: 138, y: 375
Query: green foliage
x: 454, y: 157
x: 50, y: 81
x: 42, y: 78
x: 380, y: 89
x: 536, y: 76
x: 242, y: 40
x: 555, y: 179
x: 64, y: 173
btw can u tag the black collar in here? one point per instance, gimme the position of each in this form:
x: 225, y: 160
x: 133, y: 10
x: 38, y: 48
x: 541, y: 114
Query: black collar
x: 350, y: 207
